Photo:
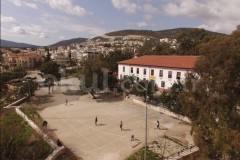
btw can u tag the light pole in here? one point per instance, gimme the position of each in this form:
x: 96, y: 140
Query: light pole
x: 145, y: 148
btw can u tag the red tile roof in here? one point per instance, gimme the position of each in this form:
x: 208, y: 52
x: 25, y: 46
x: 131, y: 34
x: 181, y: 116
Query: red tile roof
x: 186, y: 62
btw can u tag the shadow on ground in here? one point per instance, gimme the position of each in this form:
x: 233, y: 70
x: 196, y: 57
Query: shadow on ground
x: 73, y: 92
x: 107, y: 97
x: 43, y: 99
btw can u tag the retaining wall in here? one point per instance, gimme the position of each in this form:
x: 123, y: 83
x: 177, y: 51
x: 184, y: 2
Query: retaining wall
x: 57, y: 149
x: 17, y: 102
x: 162, y: 110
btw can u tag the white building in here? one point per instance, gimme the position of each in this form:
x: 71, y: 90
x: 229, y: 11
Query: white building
x: 165, y: 70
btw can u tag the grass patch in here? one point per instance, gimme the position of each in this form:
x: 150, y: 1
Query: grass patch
x: 19, y: 140
x: 139, y: 155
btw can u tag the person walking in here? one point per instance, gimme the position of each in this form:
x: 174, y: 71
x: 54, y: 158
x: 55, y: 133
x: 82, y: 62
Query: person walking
x: 96, y: 119
x: 121, y: 125
x: 158, y: 125
x: 66, y: 102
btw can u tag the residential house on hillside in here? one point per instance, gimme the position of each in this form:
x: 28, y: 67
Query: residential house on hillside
x: 41, y: 51
x: 62, y: 60
x: 164, y: 70
x: 25, y: 60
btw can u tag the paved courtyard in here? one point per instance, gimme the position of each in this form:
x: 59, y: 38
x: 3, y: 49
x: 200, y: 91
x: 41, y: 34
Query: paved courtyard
x: 74, y: 124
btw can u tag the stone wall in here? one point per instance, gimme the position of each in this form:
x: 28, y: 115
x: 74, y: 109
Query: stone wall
x: 57, y: 149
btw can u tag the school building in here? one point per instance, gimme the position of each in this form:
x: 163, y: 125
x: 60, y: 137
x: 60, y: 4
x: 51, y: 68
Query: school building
x: 164, y: 70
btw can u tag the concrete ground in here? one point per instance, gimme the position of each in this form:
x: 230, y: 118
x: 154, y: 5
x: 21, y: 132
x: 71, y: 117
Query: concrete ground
x: 74, y: 123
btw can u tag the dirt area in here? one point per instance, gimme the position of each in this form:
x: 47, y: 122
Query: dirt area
x: 74, y: 123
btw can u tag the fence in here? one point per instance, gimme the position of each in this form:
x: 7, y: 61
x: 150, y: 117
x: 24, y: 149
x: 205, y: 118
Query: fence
x: 163, y: 110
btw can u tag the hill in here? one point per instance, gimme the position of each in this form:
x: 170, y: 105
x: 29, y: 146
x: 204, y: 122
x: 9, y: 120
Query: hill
x: 11, y: 44
x: 70, y: 41
x: 168, y: 33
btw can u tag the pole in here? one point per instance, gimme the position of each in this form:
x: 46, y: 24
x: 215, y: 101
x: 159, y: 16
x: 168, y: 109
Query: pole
x: 145, y: 150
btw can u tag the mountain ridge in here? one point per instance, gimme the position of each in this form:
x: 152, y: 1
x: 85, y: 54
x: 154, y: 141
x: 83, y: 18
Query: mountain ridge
x: 69, y: 41
x: 167, y: 33
x: 11, y: 44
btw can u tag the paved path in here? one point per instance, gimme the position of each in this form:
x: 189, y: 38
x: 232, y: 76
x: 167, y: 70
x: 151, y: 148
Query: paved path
x: 74, y: 125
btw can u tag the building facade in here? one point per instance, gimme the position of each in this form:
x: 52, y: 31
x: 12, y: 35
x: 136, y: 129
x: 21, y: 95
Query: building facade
x: 25, y: 60
x: 164, y: 70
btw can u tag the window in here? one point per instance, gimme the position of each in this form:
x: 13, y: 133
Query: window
x: 137, y: 70
x: 169, y: 74
x: 144, y: 71
x: 123, y: 69
x: 137, y: 78
x: 162, y: 84
x: 131, y: 69
x: 161, y: 73
x: 178, y: 75
x: 152, y: 72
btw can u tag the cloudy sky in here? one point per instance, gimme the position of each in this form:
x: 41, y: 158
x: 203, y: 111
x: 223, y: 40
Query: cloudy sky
x: 43, y: 22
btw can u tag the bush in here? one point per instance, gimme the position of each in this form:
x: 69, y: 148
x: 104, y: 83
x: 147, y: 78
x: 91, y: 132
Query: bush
x: 140, y: 155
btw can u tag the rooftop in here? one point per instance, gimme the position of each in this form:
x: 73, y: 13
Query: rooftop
x: 186, y: 62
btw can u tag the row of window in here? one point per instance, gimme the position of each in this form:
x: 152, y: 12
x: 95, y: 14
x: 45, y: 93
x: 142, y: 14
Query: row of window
x: 178, y: 76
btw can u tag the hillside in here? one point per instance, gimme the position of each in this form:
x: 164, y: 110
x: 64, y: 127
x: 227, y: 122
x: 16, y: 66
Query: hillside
x: 70, y: 41
x: 5, y: 43
x: 168, y: 33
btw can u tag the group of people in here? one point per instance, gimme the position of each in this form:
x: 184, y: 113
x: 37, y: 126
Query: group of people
x: 121, y: 126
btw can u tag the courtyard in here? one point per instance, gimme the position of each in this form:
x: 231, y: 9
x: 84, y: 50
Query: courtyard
x: 74, y: 123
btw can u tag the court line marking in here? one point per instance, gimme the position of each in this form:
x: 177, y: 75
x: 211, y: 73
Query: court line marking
x: 79, y: 133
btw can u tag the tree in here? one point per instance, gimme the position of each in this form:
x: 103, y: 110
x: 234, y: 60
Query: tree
x: 189, y: 41
x: 48, y: 57
x: 29, y: 87
x: 17, y: 73
x: 52, y: 69
x: 91, y: 76
x: 37, y: 64
x: 69, y: 55
x: 1, y: 57
x: 113, y: 57
x: 156, y: 48
x: 147, y: 48
x: 140, y: 86
x: 130, y: 85
x: 170, y: 98
x: 212, y: 106
x: 164, y: 49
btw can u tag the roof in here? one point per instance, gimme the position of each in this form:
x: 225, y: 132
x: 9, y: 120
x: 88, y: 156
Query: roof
x: 186, y: 62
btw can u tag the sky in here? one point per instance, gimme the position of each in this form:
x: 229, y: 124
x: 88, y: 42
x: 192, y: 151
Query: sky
x: 44, y: 22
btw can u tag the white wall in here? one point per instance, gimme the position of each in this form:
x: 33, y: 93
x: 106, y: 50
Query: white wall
x: 168, y: 81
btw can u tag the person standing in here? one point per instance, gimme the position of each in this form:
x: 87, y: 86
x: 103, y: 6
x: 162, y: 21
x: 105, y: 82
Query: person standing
x: 121, y: 125
x: 96, y: 119
x: 132, y: 138
x: 158, y: 125
x: 66, y: 102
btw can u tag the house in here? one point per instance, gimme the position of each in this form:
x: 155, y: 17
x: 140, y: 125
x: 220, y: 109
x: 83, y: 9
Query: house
x: 62, y: 60
x: 29, y: 60
x: 164, y: 70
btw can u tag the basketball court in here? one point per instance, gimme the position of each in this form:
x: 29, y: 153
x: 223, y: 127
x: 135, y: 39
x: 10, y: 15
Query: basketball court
x: 74, y: 125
